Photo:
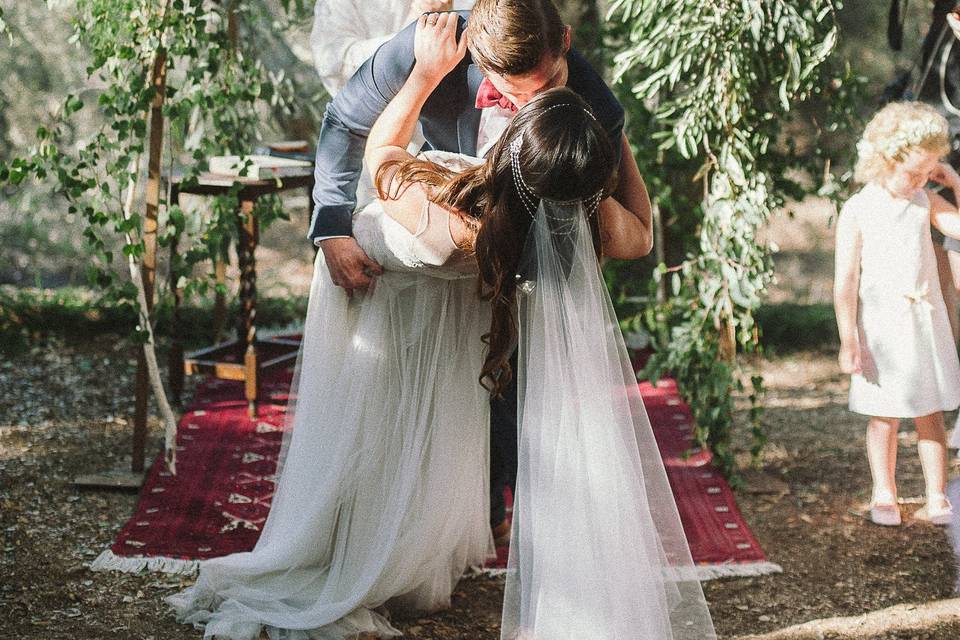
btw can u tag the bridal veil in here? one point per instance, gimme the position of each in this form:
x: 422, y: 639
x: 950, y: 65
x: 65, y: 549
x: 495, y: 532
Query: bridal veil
x: 597, y: 549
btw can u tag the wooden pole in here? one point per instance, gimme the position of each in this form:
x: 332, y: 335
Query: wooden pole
x: 148, y: 270
x: 220, y: 261
x: 233, y: 26
x: 144, y: 279
x: 248, y: 233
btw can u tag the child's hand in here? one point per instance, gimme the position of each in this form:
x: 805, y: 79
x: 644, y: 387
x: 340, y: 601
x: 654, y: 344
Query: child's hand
x: 946, y: 175
x: 850, y: 359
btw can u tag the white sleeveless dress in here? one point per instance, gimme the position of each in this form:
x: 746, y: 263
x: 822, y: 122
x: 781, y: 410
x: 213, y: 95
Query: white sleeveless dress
x: 910, y: 364
x: 383, y: 490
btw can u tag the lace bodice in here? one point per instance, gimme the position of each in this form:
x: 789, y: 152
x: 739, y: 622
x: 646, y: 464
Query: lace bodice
x: 431, y: 250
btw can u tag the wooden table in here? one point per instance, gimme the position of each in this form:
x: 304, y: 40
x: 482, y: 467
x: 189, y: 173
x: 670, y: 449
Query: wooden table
x: 240, y: 358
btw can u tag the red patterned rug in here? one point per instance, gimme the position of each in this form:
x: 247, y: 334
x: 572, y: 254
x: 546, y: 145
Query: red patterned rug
x: 220, y: 498
x: 720, y: 540
x: 219, y: 501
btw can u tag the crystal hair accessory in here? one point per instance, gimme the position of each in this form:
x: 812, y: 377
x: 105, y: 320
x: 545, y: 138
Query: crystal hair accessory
x: 529, y: 197
x: 909, y: 134
x: 572, y: 106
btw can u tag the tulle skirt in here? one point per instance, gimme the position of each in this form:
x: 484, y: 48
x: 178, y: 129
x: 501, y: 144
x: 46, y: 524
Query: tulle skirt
x: 382, y: 495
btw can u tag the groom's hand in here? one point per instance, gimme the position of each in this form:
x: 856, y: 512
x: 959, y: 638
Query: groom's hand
x: 349, y: 265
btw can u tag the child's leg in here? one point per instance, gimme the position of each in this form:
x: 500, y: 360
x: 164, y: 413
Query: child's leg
x: 882, y: 456
x: 932, y: 447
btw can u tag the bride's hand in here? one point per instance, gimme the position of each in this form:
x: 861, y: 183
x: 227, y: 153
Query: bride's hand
x: 435, y: 45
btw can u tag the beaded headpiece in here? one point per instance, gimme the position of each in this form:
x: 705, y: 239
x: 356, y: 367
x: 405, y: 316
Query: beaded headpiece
x: 527, y: 195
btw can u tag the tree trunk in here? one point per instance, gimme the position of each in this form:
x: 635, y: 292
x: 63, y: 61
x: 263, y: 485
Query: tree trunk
x: 143, y: 273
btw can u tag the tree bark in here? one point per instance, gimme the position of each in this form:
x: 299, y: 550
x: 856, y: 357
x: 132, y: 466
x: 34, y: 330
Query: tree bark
x: 143, y: 271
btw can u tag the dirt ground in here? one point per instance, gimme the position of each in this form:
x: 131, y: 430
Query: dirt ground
x: 59, y: 419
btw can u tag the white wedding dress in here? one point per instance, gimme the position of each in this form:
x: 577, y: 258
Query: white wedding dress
x: 382, y: 497
x: 383, y: 489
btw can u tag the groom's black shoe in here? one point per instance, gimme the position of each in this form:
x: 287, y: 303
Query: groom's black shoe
x: 501, y: 534
x: 503, y: 447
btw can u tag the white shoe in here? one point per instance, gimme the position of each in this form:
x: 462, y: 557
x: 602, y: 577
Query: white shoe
x: 940, y: 516
x: 886, y: 515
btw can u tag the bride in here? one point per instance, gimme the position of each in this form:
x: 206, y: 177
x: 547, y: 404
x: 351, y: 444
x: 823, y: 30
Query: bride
x: 382, y: 493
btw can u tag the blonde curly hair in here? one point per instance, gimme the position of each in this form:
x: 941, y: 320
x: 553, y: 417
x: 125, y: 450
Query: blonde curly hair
x: 895, y: 131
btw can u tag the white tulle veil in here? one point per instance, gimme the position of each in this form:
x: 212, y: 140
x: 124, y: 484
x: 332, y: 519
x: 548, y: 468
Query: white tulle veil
x: 597, y: 549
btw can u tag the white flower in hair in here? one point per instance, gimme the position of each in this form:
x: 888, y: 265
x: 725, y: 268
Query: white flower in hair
x: 909, y: 134
x: 865, y: 148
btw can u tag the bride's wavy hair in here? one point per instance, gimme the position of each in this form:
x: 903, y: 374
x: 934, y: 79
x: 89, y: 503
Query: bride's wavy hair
x: 565, y: 155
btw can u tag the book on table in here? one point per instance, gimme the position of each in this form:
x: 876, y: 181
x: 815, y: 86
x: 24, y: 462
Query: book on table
x: 261, y: 167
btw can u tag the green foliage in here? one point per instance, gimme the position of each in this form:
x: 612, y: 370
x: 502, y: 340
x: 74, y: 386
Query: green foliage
x: 713, y: 88
x: 29, y: 315
x: 792, y: 327
x: 14, y: 335
x: 215, y: 92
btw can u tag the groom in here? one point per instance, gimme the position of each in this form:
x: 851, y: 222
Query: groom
x: 517, y: 49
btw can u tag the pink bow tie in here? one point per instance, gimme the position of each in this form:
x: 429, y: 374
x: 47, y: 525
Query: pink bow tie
x: 488, y: 96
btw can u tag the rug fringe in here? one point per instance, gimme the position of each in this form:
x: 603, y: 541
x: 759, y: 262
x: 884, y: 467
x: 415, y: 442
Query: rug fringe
x: 109, y: 561
x: 488, y: 572
x: 737, y: 570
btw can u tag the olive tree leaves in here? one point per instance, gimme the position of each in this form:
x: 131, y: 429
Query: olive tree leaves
x: 718, y: 81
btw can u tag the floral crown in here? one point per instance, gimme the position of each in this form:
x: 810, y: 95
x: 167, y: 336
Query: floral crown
x: 909, y: 134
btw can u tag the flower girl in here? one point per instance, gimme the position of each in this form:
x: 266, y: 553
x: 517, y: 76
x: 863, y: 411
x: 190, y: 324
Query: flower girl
x: 895, y: 337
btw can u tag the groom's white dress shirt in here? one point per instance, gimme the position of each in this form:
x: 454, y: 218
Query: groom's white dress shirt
x: 493, y: 122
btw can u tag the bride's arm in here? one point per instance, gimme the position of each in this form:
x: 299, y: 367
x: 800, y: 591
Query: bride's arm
x: 437, y: 53
x: 625, y: 219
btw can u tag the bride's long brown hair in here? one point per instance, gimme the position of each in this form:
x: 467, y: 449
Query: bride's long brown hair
x: 565, y: 155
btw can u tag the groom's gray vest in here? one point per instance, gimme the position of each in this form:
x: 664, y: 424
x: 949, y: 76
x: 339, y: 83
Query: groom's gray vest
x: 449, y: 119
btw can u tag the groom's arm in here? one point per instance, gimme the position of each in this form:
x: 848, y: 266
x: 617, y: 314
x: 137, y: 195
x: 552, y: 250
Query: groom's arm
x: 346, y: 124
x: 343, y: 136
